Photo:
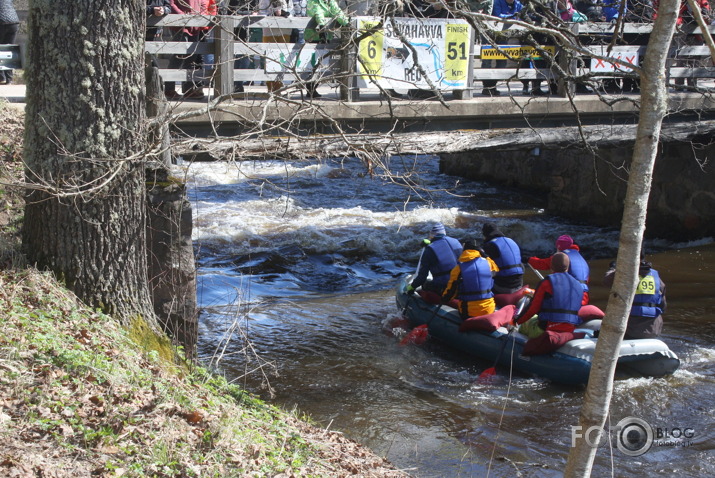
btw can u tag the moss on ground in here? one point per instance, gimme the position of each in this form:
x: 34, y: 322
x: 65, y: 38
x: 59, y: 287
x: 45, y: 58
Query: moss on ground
x: 79, y: 397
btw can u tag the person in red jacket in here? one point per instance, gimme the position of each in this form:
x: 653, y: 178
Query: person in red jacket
x: 557, y: 299
x: 682, y: 39
x: 578, y: 267
x: 192, y: 61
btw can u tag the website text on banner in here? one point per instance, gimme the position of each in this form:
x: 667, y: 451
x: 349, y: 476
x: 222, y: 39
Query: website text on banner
x: 488, y: 52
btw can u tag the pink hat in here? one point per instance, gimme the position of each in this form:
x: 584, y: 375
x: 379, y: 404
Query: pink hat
x: 563, y: 242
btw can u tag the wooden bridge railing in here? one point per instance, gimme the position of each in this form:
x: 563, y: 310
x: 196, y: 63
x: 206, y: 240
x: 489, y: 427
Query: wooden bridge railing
x: 340, y: 61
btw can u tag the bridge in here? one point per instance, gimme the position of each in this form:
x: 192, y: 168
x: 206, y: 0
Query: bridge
x: 396, y: 83
x: 363, y: 92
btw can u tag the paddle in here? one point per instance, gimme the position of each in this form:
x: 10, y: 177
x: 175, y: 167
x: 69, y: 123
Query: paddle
x: 538, y: 274
x: 419, y: 334
x: 487, y: 375
x: 402, y: 322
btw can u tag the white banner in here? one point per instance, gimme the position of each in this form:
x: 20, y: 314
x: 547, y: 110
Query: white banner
x: 434, y: 48
x: 629, y: 56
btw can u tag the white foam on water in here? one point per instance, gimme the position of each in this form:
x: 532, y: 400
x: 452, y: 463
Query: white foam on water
x: 226, y: 172
x: 252, y: 215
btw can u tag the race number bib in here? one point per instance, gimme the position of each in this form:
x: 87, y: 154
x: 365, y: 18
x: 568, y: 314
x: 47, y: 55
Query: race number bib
x: 646, y: 285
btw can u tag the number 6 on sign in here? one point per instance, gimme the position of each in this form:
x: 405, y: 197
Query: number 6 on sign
x: 370, y: 51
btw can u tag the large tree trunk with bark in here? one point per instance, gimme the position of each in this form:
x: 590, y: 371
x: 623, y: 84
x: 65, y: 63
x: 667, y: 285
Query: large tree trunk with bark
x: 86, y: 204
x: 595, y: 408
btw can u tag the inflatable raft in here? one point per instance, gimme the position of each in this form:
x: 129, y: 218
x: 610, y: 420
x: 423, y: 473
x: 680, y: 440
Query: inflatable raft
x: 570, y: 364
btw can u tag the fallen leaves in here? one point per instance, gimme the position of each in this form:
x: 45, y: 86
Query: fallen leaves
x: 77, y: 401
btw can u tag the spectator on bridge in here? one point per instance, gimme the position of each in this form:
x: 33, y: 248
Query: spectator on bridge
x: 9, y: 24
x: 190, y: 60
x: 568, y: 13
x: 300, y: 9
x: 592, y: 10
x: 322, y: 12
x: 275, y: 8
x: 682, y: 39
x: 639, y: 11
x: 241, y: 62
x: 507, y: 9
x: 210, y: 7
x: 537, y: 11
x: 504, y: 9
x: 155, y: 8
x: 611, y: 10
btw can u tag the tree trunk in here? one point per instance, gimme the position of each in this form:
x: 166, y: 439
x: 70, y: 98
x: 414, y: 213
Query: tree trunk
x: 595, y: 408
x: 86, y: 205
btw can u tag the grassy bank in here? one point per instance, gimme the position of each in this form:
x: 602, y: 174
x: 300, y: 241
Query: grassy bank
x: 79, y: 398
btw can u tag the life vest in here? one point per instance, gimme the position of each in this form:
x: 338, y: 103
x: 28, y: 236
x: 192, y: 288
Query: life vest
x: 578, y: 267
x: 647, y: 300
x: 509, y: 260
x: 476, y: 280
x: 446, y: 250
x: 565, y: 303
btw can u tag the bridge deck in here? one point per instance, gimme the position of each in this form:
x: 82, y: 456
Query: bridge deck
x: 374, y: 112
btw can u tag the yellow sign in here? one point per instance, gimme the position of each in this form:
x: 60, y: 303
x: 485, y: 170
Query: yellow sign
x: 646, y: 285
x: 457, y: 51
x: 514, y: 51
x: 370, y: 50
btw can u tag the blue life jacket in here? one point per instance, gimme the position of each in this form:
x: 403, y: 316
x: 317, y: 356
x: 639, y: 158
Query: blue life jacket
x: 578, y: 267
x: 509, y: 260
x: 476, y: 282
x: 647, y: 300
x: 446, y: 250
x: 564, y: 305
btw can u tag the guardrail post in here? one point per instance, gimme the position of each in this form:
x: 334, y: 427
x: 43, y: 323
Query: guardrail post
x: 348, y: 58
x: 223, y: 65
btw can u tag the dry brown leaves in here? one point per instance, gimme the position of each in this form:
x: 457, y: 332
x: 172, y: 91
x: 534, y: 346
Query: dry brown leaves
x: 62, y: 423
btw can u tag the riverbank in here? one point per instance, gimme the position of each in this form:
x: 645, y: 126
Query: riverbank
x: 79, y: 398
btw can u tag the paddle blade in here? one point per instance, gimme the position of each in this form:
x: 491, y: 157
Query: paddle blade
x: 486, y: 376
x: 417, y: 336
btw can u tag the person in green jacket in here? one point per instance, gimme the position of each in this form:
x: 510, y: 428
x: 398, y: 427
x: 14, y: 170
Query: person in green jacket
x: 322, y: 12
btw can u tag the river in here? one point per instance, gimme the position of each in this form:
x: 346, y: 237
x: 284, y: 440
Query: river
x: 296, y: 265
